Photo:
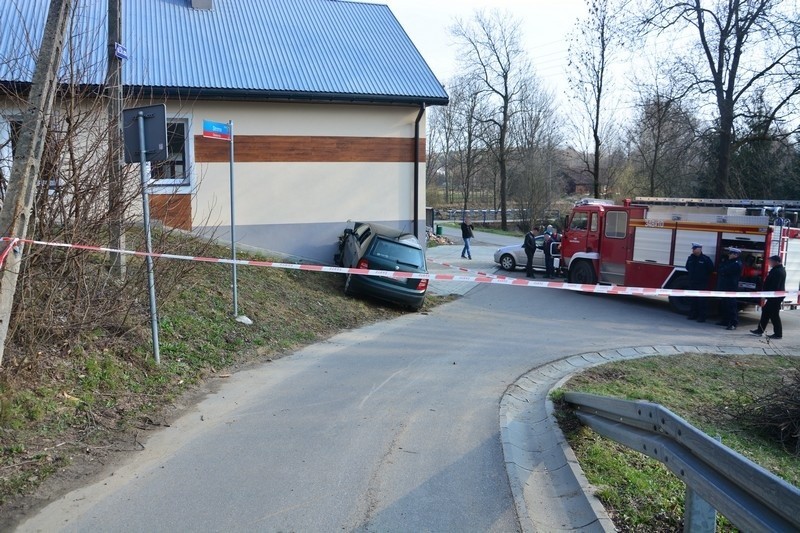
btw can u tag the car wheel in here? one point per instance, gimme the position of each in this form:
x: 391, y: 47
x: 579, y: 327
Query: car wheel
x: 582, y: 272
x: 507, y: 262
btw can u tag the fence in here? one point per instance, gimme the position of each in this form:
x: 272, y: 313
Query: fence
x: 716, y: 477
x: 480, y: 215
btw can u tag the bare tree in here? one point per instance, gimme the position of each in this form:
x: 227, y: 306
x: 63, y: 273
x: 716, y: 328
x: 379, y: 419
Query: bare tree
x: 663, y: 140
x: 742, y: 49
x: 535, y: 136
x: 63, y: 293
x: 591, y: 51
x: 435, y: 158
x: 493, y: 53
x: 16, y: 213
x: 465, y: 128
x: 765, y: 166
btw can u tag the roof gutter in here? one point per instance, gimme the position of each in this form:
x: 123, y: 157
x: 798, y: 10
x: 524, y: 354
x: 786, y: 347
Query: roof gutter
x: 287, y: 96
x: 416, y: 168
x: 247, y: 94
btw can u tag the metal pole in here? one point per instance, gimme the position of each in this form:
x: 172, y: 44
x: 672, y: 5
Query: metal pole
x: 151, y: 284
x: 233, y: 232
x: 699, y: 515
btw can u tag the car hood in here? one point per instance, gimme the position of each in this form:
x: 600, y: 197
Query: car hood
x: 508, y: 249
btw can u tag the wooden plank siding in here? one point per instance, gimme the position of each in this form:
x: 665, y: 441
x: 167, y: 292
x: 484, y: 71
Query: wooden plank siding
x: 173, y: 210
x: 308, y: 149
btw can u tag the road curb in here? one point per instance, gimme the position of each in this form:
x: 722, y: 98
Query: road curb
x: 550, y: 490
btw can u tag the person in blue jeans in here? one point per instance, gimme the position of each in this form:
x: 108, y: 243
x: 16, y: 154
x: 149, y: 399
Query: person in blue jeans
x: 467, y: 234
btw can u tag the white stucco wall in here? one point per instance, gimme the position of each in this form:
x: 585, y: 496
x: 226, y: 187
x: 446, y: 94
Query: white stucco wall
x: 303, y: 192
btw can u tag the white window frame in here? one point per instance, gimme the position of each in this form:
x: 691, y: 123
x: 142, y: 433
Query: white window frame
x: 617, y: 234
x: 7, y: 158
x: 172, y: 186
x: 7, y: 117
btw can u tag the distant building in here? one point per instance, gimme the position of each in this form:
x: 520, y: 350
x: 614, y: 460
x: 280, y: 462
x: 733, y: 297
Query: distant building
x: 577, y: 182
x: 327, y: 99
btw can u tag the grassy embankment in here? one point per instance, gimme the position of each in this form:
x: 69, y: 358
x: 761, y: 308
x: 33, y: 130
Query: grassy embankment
x: 707, y: 390
x: 74, y: 402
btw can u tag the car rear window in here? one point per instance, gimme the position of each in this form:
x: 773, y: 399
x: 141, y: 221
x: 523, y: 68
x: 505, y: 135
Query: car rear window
x: 395, y: 251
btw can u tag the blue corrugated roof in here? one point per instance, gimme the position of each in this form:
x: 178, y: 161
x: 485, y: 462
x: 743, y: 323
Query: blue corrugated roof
x: 279, y: 48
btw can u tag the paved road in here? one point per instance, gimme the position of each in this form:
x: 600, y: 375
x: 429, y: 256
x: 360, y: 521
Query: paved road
x: 482, y: 237
x: 392, y: 427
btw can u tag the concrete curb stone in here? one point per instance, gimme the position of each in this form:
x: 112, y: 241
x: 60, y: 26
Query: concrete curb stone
x: 550, y: 490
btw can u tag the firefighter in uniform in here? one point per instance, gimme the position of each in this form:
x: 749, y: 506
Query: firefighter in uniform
x: 728, y: 275
x: 776, y: 281
x: 699, y: 268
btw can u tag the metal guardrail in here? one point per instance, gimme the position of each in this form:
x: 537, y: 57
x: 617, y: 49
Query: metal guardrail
x: 752, y: 498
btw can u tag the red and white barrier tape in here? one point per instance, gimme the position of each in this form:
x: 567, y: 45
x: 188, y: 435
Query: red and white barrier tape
x: 4, y: 253
x: 489, y: 279
x: 633, y: 291
x: 462, y: 269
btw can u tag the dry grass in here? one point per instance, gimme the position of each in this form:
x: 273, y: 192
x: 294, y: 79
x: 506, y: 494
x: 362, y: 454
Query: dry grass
x: 639, y: 492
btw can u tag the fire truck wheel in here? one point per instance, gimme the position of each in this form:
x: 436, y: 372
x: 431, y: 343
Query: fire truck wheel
x: 681, y: 305
x: 582, y: 272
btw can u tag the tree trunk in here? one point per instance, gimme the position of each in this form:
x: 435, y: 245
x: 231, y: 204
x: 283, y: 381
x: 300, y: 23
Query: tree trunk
x: 503, y: 213
x: 724, y: 143
x: 596, y: 138
x: 596, y: 169
x: 502, y: 162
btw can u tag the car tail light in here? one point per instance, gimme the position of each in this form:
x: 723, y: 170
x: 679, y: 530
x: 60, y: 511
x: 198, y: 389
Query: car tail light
x: 422, y: 285
x: 363, y: 264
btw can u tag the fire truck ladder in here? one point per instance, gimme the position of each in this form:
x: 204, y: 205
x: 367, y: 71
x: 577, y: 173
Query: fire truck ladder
x: 716, y: 202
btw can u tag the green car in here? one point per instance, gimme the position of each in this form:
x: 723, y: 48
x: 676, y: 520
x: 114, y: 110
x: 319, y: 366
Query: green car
x: 375, y: 247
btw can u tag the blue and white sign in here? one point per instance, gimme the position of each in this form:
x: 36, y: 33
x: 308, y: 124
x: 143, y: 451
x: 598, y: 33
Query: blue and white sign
x: 120, y: 51
x: 216, y: 130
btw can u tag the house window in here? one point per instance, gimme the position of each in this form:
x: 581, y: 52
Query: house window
x: 14, y: 127
x: 9, y: 140
x: 616, y: 224
x: 174, y: 170
x: 8, y: 133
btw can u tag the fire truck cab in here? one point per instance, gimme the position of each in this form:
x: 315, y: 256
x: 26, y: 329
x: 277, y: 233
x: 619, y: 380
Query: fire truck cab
x: 645, y: 242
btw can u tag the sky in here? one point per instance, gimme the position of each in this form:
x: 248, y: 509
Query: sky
x: 545, y: 24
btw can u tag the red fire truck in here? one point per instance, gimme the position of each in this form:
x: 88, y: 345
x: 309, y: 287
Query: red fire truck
x: 645, y: 242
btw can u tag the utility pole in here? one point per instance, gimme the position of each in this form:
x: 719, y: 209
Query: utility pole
x: 16, y: 212
x: 116, y: 186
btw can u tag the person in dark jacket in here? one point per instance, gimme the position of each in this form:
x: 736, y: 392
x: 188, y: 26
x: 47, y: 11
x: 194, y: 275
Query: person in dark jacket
x: 728, y: 276
x: 699, y: 268
x: 771, y: 311
x: 530, y: 249
x: 467, y: 234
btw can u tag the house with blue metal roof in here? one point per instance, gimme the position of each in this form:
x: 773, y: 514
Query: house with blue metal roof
x: 327, y: 100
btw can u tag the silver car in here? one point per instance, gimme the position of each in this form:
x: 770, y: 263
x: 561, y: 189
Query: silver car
x: 513, y: 257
